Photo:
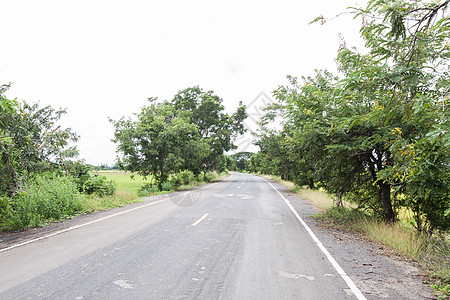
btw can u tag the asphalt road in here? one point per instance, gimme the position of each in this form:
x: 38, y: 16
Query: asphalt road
x: 235, y: 239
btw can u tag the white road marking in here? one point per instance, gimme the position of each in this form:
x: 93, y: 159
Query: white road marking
x: 79, y: 226
x: 97, y: 220
x: 199, y: 220
x: 330, y: 258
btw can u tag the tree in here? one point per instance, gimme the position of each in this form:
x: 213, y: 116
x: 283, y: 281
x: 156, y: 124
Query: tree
x: 408, y: 78
x: 215, y: 127
x: 161, y: 141
x: 380, y: 134
x: 31, y: 141
x: 242, y: 160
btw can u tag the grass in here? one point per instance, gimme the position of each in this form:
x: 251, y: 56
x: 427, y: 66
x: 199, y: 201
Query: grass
x: 127, y: 190
x: 318, y: 198
x: 432, y: 253
x: 124, y: 181
x: 55, y: 199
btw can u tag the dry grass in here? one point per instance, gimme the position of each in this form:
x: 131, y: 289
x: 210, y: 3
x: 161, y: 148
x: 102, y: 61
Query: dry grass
x: 318, y: 198
x: 396, y: 236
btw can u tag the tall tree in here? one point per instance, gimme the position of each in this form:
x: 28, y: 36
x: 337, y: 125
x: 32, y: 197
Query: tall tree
x: 215, y: 127
x: 408, y: 81
x: 159, y: 142
x: 382, y: 130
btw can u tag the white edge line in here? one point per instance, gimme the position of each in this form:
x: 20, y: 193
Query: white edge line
x: 79, y: 226
x: 199, y: 220
x: 333, y: 262
x: 94, y: 221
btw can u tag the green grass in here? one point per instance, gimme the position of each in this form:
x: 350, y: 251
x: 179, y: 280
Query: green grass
x: 36, y: 208
x: 124, y: 181
x: 126, y: 191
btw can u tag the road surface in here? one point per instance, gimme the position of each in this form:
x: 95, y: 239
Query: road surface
x: 235, y: 239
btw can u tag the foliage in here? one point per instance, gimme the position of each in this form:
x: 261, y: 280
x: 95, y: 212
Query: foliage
x: 159, y: 142
x: 191, y: 132
x: 100, y: 186
x: 47, y: 198
x: 88, y: 183
x: 31, y: 141
x: 147, y: 189
x: 377, y: 136
x: 240, y: 161
x: 210, y: 176
x: 185, y: 177
x: 215, y: 127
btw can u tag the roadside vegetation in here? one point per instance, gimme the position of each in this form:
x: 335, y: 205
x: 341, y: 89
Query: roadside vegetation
x: 191, y: 133
x: 375, y: 135
x: 173, y: 145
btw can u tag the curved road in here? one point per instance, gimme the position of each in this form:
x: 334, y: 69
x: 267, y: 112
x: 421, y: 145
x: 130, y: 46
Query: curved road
x: 235, y: 239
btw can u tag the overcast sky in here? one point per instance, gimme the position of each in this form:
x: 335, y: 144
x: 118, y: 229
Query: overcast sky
x: 104, y: 58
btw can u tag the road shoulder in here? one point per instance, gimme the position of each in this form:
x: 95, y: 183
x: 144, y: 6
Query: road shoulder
x: 379, y: 274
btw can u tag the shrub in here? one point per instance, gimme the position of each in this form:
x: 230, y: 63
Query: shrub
x: 186, y: 177
x: 99, y: 185
x: 210, y: 176
x: 47, y: 198
x: 173, y: 179
x: 147, y: 189
x: 200, y: 177
x: 88, y: 184
x: 166, y: 186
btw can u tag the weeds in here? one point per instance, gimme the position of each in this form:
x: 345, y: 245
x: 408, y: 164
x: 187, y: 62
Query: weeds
x: 46, y: 199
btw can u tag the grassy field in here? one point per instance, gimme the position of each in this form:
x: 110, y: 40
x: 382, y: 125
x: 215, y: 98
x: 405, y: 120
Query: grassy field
x: 124, y: 181
x: 126, y: 191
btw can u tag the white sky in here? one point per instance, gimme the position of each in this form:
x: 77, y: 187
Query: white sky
x: 104, y: 58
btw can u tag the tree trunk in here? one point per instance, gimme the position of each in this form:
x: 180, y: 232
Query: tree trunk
x: 385, y: 198
x: 311, y: 183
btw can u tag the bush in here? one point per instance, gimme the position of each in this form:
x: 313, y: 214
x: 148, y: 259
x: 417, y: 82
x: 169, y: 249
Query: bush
x: 210, y: 176
x: 88, y: 184
x: 166, y: 186
x: 147, y: 189
x: 100, y: 186
x: 48, y: 198
x: 186, y: 177
x: 200, y: 177
x: 173, y: 179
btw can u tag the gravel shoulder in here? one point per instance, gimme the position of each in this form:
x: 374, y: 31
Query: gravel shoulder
x: 378, y: 273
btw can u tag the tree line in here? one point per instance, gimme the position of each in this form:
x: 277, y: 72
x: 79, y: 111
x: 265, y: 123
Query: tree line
x: 376, y: 134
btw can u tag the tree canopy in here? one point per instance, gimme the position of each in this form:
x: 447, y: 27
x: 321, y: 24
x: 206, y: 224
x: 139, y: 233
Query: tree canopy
x: 190, y: 132
x: 31, y: 141
x: 377, y: 133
